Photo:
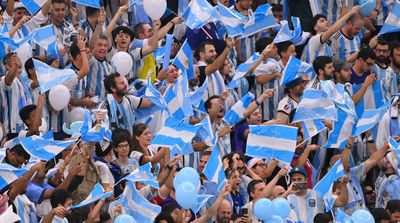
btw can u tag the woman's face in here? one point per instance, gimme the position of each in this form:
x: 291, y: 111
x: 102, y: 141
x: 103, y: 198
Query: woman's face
x: 145, y: 138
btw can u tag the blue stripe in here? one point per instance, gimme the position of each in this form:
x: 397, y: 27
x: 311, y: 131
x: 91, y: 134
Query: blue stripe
x: 266, y: 152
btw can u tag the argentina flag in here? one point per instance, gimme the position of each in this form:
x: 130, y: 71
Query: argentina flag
x: 45, y: 37
x: 343, y: 128
x: 296, y: 68
x: 93, y: 134
x: 184, y: 60
x: 178, y: 104
x: 90, y: 3
x: 235, y: 114
x: 214, y: 169
x: 285, y: 34
x: 261, y: 19
x: 274, y: 141
x: 33, y: 6
x: 198, y: 14
x: 374, y: 97
x: 370, y: 118
x: 232, y: 20
x: 315, y: 104
x: 201, y: 201
x: 339, y: 96
x: 96, y: 194
x: 143, y: 175
x: 242, y: 70
x: 199, y: 97
x: 9, y: 174
x: 312, y: 128
x: 392, y: 22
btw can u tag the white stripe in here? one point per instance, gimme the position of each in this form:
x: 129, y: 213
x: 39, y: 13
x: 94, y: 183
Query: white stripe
x: 8, y: 176
x: 271, y: 142
x: 315, y: 103
x: 367, y: 121
x: 184, y: 135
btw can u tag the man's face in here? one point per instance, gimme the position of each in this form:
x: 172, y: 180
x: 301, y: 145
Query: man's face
x: 19, y: 13
x: 259, y: 168
x: 224, y: 212
x: 382, y: 53
x: 344, y: 75
x: 298, y: 178
x: 57, y: 12
x: 235, y: 181
x: 395, y: 217
x: 216, y: 108
x: 147, y: 32
x: 245, y: 4
x: 175, y: 214
x: 203, y: 162
x: 396, y: 57
x: 209, y: 54
x: 367, y: 64
x: 298, y: 90
x: 258, y: 191
x: 356, y: 25
x: 122, y: 40
x: 255, y: 118
x: 322, y: 25
x: 328, y: 71
x: 100, y: 49
x: 278, y: 191
x: 121, y: 86
x: 172, y: 74
x: 15, y: 160
x: 278, y: 15
x: 291, y: 51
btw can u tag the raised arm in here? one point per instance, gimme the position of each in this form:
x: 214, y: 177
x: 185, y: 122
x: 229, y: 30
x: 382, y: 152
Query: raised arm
x: 254, y: 105
x: 111, y: 25
x: 219, y: 62
x: 34, y: 130
x: 360, y: 93
x: 212, y: 211
x: 12, y: 72
x: 339, y: 24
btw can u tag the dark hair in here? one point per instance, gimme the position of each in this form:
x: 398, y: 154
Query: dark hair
x: 206, y: 153
x: 75, y: 51
x: 314, y: 22
x: 25, y: 112
x: 382, y: 41
x: 202, y: 46
x: 20, y: 151
x: 7, y: 58
x: 323, y: 217
x: 57, y: 1
x: 59, y: 197
x: 380, y: 214
x: 90, y: 11
x: 393, y: 206
x: 109, y: 81
x: 252, y: 186
x: 138, y: 29
x: 366, y: 53
x: 262, y: 43
x: 394, y: 45
x: 283, y: 47
x: 137, y: 130
x: 320, y: 62
x: 101, y: 151
x: 29, y: 65
x: 169, y: 208
x: 277, y: 7
x: 120, y: 135
x: 163, y: 217
x: 207, y: 104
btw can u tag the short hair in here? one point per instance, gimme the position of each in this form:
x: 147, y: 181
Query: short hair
x: 29, y: 65
x: 283, y: 47
x: 109, y: 81
x: 380, y: 214
x: 101, y: 151
x: 382, y: 41
x: 90, y: 10
x: 103, y: 37
x: 7, y: 58
x: 207, y: 104
x: 138, y: 29
x: 277, y: 7
x: 170, y: 207
x: 120, y: 135
x: 320, y: 62
x: 323, y: 217
x: 251, y: 187
x: 366, y: 53
x: 59, y: 197
x: 392, y: 46
x: 207, y: 153
x: 20, y: 151
x: 314, y: 22
x: 57, y: 1
x: 262, y: 43
x: 163, y: 217
x: 202, y: 46
x: 393, y: 206
x: 75, y: 51
x: 25, y: 112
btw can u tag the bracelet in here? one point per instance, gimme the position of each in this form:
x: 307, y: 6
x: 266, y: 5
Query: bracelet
x: 377, y: 11
x: 348, y: 146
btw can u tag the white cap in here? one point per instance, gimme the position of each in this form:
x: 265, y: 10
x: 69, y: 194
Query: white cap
x: 253, y: 162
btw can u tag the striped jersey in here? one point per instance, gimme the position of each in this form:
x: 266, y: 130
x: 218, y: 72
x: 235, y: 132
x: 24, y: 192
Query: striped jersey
x: 315, y: 48
x: 307, y: 206
x: 287, y: 105
x: 216, y: 84
x: 331, y: 9
x: 224, y: 143
x: 389, y: 79
x: 356, y: 197
x: 89, y: 29
x: 79, y: 90
x: 343, y: 47
x: 95, y: 78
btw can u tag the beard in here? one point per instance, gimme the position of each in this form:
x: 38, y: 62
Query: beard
x: 121, y: 93
x: 381, y: 59
x: 194, y: 82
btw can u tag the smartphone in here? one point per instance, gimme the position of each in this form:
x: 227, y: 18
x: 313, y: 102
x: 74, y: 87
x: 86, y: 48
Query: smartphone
x: 300, y: 186
x: 245, y: 211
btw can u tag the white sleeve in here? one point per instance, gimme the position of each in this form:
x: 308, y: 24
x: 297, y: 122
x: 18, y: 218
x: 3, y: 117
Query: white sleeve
x: 105, y: 173
x: 36, y: 21
x: 315, y: 43
x: 8, y: 19
x: 3, y: 83
x: 135, y: 101
x: 383, y: 131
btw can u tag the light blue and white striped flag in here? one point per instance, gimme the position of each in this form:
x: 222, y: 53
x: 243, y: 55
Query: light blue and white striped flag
x: 395, y: 147
x: 235, y: 114
x: 232, y: 20
x: 205, y: 132
x: 176, y: 133
x: 343, y: 128
x: 167, y: 50
x: 374, y: 97
x: 392, y: 23
x: 90, y: 3
x: 201, y: 201
x: 155, y: 96
x: 45, y: 37
x: 315, y: 104
x: 262, y: 19
x: 199, y: 97
x: 33, y: 6
x: 342, y: 217
x: 214, y: 169
x: 178, y: 103
x: 44, y: 149
x: 49, y: 77
x: 274, y: 141
x: 137, y: 206
x: 96, y: 194
x: 296, y: 68
x: 93, y: 134
x: 339, y: 96
x: 184, y: 60
x: 143, y: 175
x: 198, y: 14
x: 312, y: 128
x: 9, y: 174
x: 242, y: 70
x: 324, y: 186
x: 370, y: 118
x: 285, y: 34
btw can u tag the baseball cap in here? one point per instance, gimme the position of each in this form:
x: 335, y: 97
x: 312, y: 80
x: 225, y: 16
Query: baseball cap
x: 253, y: 162
x: 124, y: 29
x: 294, y: 83
x: 19, y: 5
x: 300, y: 170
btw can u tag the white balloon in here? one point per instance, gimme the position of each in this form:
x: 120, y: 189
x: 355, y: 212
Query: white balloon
x: 122, y: 62
x: 155, y: 9
x: 77, y: 114
x: 59, y: 97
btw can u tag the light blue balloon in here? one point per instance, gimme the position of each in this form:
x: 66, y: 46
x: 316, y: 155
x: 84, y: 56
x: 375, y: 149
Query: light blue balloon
x: 187, y: 174
x: 276, y: 219
x: 186, y: 195
x: 362, y: 216
x: 263, y: 209
x: 244, y: 86
x: 124, y: 218
x: 281, y: 207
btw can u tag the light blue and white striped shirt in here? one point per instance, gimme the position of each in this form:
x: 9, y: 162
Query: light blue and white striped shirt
x: 216, y: 84
x: 95, y: 78
x: 390, y: 81
x: 343, y: 47
x: 315, y: 48
x: 307, y: 206
x: 331, y: 9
